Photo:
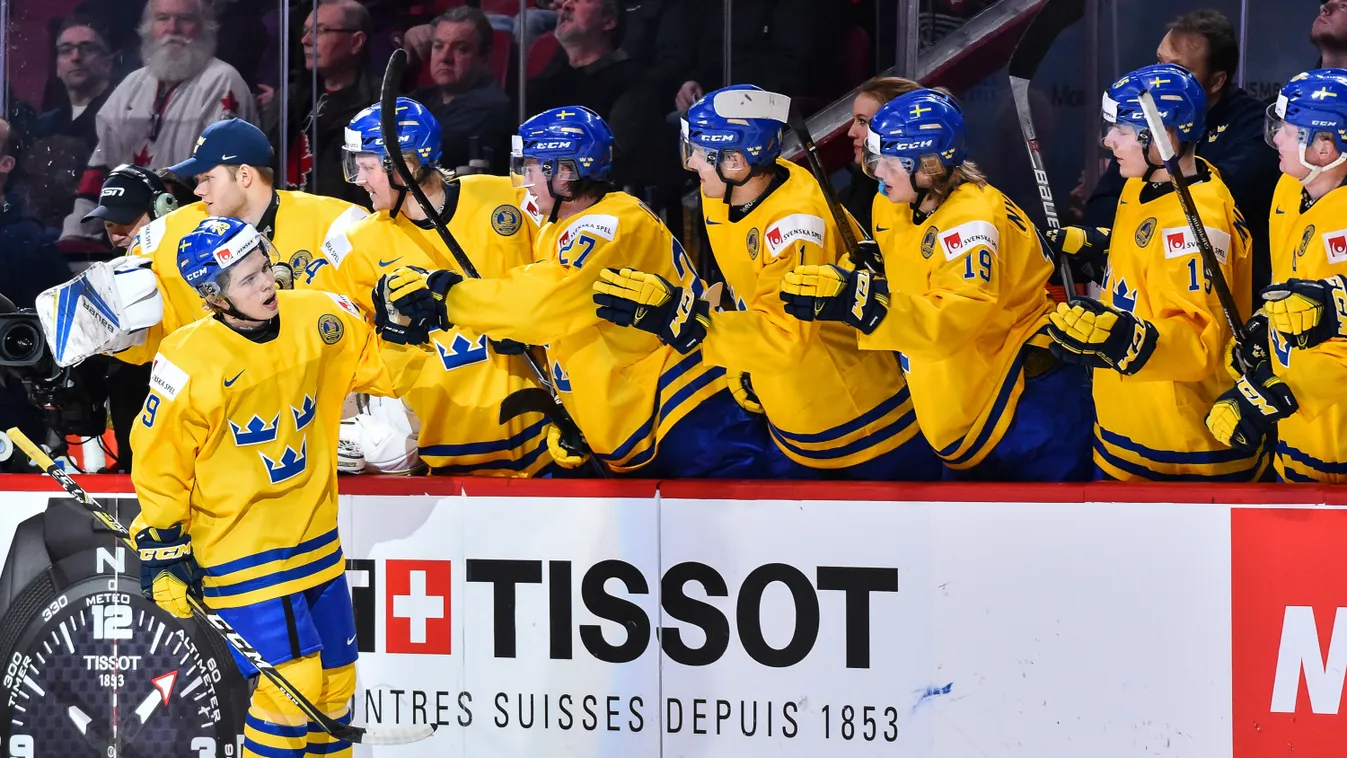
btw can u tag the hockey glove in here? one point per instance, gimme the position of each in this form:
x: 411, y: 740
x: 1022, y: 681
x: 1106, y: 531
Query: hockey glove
x: 628, y: 297
x: 1244, y: 414
x: 392, y: 325
x: 168, y: 572
x: 1085, y: 248
x: 868, y: 256
x: 1088, y: 332
x: 567, y: 450
x: 1308, y: 312
x: 420, y: 295
x: 831, y: 293
x: 1249, y: 356
x: 741, y: 387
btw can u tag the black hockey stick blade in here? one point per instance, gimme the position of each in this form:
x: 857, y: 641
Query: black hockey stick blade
x: 395, y: 735
x: 1160, y: 136
x: 538, y: 400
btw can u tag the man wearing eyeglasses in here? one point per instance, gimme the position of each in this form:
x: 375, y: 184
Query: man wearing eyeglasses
x: 84, y: 65
x: 336, y: 45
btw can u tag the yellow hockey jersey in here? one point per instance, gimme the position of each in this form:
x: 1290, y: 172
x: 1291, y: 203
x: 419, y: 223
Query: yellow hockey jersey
x: 1152, y: 425
x: 456, y: 383
x: 238, y: 441
x: 1310, y: 243
x: 966, y: 299
x: 302, y: 222
x: 622, y: 386
x: 828, y: 403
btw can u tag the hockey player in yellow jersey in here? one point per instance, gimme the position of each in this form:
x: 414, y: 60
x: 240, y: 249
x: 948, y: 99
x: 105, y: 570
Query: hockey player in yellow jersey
x: 1157, y: 336
x: 646, y: 405
x: 230, y: 163
x: 1297, y: 368
x: 455, y: 383
x: 237, y: 476
x: 962, y: 299
x: 829, y: 405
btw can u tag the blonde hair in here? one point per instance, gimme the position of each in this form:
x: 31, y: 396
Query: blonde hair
x: 886, y: 88
x: 943, y: 183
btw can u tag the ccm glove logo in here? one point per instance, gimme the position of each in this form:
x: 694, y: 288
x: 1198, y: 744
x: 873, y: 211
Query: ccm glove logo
x: 168, y: 553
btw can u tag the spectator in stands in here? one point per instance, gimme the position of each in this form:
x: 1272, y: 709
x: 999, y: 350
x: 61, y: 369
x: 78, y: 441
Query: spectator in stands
x: 153, y: 118
x: 65, y: 136
x: 466, y: 99
x: 786, y: 46
x: 859, y: 194
x: 1204, y: 42
x: 84, y: 65
x: 591, y: 70
x: 336, y: 43
x: 1329, y: 33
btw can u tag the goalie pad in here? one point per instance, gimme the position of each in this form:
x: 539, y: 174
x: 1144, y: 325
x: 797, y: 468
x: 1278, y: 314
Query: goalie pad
x: 105, y: 309
x: 378, y: 440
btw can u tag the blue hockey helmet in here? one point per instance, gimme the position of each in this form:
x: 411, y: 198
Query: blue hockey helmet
x: 740, y: 119
x: 1314, y: 103
x: 418, y: 135
x: 572, y: 143
x: 922, y: 130
x: 1178, y: 96
x: 216, y: 245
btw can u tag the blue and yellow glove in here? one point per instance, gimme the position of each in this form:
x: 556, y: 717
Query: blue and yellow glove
x: 628, y: 297
x: 832, y: 293
x: 1244, y: 414
x: 1308, y: 312
x: 1085, y: 248
x: 868, y: 256
x: 168, y: 571
x: 1087, y: 332
x: 1248, y: 356
x: 419, y: 295
x: 566, y: 447
x: 741, y: 388
x: 391, y: 324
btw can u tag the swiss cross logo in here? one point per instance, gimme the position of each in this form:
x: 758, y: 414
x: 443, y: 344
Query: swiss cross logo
x: 1336, y: 245
x: 416, y: 607
x: 953, y: 241
x: 1289, y: 630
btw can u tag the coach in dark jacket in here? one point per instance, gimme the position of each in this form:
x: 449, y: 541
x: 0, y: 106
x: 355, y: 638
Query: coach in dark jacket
x: 1204, y: 42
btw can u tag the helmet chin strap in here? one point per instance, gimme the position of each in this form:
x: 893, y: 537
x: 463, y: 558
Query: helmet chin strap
x: 921, y: 192
x: 395, y: 184
x: 730, y: 184
x: 1315, y: 171
x: 1144, y: 139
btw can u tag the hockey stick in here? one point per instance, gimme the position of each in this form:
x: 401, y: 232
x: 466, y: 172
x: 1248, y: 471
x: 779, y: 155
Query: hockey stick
x: 1161, y: 138
x: 756, y: 104
x: 1051, y: 19
x: 393, y: 735
x: 388, y: 131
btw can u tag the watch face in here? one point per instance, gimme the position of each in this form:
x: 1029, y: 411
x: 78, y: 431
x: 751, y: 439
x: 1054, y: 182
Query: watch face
x: 102, y: 671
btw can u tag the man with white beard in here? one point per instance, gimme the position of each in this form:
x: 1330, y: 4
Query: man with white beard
x: 156, y: 114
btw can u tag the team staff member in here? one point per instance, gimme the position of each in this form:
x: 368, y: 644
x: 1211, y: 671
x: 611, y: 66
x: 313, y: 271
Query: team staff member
x: 963, y: 300
x: 231, y: 164
x: 830, y: 406
x: 238, y: 476
x: 647, y: 405
x: 1296, y: 388
x: 1156, y: 338
x: 456, y: 382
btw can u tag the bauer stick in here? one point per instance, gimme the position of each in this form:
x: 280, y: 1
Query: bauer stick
x: 393, y: 735
x: 388, y: 131
x: 1051, y: 19
x: 1161, y: 138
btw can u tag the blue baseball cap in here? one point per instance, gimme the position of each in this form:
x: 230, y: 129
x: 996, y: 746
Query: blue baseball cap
x: 233, y: 142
